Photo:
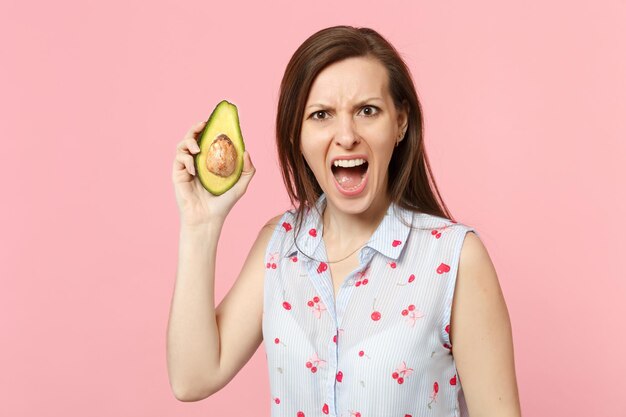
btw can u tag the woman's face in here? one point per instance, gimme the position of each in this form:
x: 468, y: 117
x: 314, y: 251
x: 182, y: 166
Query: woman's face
x: 350, y: 117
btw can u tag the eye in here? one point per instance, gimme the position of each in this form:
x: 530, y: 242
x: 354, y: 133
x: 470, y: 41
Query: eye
x: 370, y: 114
x: 317, y: 113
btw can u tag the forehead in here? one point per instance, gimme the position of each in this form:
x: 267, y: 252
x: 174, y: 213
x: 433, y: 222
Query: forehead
x: 350, y: 79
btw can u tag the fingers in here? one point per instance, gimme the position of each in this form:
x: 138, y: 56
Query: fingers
x: 184, y: 161
x: 248, y: 167
x: 190, y: 140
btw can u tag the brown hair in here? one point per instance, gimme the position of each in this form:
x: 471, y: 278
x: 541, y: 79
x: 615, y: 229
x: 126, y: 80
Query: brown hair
x: 411, y: 182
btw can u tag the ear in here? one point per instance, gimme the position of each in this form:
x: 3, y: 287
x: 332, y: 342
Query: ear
x: 403, y: 116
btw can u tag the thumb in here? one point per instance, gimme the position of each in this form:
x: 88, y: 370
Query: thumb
x: 248, y: 167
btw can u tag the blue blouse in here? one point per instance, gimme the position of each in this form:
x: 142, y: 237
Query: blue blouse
x: 380, y: 349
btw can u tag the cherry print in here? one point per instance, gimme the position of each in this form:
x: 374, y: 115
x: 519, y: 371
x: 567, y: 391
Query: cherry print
x: 434, y: 394
x: 339, y: 376
x: 361, y: 354
x: 317, y: 306
x: 335, y: 338
x: 396, y: 243
x: 294, y: 259
x: 322, y: 267
x: 313, y: 232
x: 268, y: 265
x: 277, y: 400
x: 412, y: 314
x: 448, y: 329
x: 447, y: 346
x: 272, y: 258
x: 365, y: 281
x: 411, y: 307
x: 277, y: 340
x: 405, y: 312
x: 401, y: 373
x: 313, y: 362
x: 411, y: 278
x: 408, y: 415
x: 357, y: 283
x: 392, y: 264
x: 286, y: 305
x: 287, y: 226
x: 376, y: 314
x: 325, y: 408
x: 453, y: 380
x: 273, y: 266
x: 300, y: 414
x: 443, y: 268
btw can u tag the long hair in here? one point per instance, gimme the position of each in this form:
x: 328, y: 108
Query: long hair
x: 411, y: 184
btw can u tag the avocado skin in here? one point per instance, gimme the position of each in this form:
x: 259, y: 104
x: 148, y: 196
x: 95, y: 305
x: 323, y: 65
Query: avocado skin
x: 223, y: 119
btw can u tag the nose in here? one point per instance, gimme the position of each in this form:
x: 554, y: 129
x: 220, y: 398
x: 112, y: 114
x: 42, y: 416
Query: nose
x: 346, y: 134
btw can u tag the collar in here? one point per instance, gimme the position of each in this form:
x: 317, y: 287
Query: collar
x: 389, y: 238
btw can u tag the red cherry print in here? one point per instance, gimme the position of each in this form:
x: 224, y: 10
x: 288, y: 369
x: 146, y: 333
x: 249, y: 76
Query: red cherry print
x: 396, y: 243
x: 325, y: 409
x: 313, y: 232
x: 277, y: 340
x: 287, y: 226
x: 395, y: 375
x: 443, y: 268
x: 339, y: 376
x: 365, y: 281
x: 376, y: 314
x: 322, y: 267
x: 273, y: 266
x: 300, y: 414
x: 316, y: 299
x: 448, y: 329
x: 412, y: 278
x: 438, y: 235
x: 277, y: 400
x: 309, y: 364
x: 408, y: 415
x: 436, y: 387
x: 268, y: 265
x: 453, y: 380
x: 392, y: 264
x: 361, y: 353
x: 434, y: 232
x: 411, y: 307
x: 286, y: 305
x: 400, y: 380
x: 357, y: 283
x: 447, y: 346
x: 335, y: 338
x: 405, y: 312
x: 357, y: 414
x: 310, y: 303
x: 294, y: 259
x: 314, y: 369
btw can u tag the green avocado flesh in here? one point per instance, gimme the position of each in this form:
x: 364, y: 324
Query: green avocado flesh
x: 224, y: 120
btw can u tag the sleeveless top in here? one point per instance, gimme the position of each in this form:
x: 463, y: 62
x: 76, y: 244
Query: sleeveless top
x: 382, y: 348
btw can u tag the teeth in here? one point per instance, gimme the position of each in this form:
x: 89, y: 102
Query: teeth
x: 347, y: 163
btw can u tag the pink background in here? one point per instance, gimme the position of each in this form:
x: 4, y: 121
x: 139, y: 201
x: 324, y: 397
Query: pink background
x: 525, y: 111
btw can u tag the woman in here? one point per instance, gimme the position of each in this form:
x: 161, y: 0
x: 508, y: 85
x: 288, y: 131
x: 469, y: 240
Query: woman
x: 361, y: 290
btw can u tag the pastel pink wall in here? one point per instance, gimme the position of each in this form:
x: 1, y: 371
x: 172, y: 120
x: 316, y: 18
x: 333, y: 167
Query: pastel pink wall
x: 525, y: 126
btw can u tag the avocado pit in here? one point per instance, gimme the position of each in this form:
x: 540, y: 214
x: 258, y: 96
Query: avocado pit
x: 222, y: 156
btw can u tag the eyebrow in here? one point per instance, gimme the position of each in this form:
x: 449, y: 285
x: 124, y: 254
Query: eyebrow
x: 359, y: 104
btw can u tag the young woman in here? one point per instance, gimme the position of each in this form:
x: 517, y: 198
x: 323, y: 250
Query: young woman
x: 362, y: 289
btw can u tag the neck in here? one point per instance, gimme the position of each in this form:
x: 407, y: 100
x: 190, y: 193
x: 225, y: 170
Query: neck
x: 346, y: 230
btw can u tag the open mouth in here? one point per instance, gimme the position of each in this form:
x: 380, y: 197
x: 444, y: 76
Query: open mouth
x: 349, y: 178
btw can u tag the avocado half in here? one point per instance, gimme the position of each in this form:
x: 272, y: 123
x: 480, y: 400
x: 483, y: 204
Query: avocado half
x: 220, y: 161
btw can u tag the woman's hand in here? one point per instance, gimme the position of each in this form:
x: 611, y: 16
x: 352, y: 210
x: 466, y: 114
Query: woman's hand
x: 196, y: 205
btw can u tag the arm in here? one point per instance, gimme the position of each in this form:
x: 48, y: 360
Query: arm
x: 481, y: 336
x: 206, y: 347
